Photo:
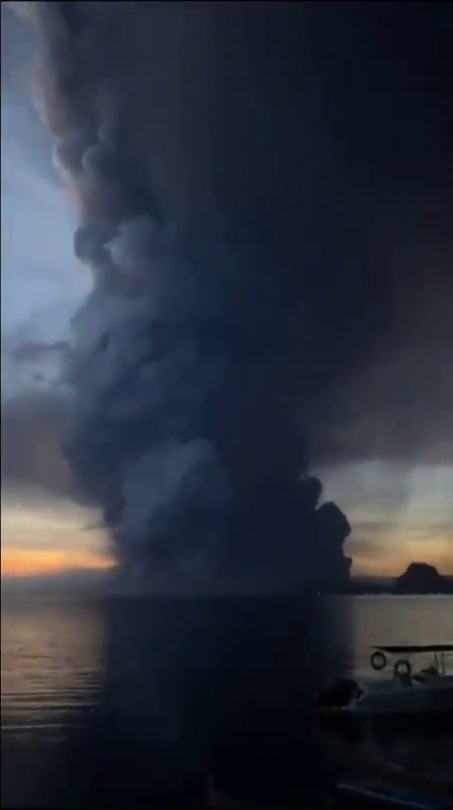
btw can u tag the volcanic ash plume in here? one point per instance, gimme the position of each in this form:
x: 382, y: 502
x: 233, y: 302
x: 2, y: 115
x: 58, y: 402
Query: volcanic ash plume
x: 184, y: 381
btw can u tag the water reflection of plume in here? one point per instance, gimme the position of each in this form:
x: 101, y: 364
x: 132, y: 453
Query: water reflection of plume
x: 224, y: 685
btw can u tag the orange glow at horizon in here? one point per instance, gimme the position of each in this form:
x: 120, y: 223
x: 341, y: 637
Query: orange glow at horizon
x: 436, y: 551
x: 45, y: 535
x: 27, y: 562
x: 395, y: 565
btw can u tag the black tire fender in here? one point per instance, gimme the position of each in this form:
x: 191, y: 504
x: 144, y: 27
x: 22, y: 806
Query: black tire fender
x: 402, y: 668
x: 378, y: 660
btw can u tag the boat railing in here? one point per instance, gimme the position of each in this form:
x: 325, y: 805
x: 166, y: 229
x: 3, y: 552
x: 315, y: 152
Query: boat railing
x: 379, y: 660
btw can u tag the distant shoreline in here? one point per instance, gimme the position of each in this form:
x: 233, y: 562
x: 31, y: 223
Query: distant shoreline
x: 88, y: 583
x: 419, y: 579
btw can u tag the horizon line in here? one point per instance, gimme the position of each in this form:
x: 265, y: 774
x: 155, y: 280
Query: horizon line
x: 102, y: 572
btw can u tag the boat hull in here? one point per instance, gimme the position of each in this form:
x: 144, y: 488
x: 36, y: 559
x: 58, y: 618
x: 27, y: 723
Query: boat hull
x: 388, y: 712
x: 428, y: 695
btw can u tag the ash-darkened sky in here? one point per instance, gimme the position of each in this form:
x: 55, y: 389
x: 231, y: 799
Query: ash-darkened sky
x: 313, y: 140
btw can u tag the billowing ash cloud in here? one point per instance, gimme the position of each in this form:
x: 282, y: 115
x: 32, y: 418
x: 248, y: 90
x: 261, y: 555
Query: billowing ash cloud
x: 185, y: 374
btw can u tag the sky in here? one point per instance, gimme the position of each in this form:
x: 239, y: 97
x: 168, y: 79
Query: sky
x: 381, y: 434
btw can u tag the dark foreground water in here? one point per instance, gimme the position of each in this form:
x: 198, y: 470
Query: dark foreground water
x: 133, y: 701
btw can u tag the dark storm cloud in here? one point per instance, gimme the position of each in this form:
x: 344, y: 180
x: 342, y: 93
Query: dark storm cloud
x: 261, y: 146
x: 399, y: 405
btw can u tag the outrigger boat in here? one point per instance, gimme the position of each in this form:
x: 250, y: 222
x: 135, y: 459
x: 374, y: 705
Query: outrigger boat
x: 366, y: 718
x: 429, y: 690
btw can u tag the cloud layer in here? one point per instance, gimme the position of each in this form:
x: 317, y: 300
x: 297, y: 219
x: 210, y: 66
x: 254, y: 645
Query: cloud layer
x: 360, y: 229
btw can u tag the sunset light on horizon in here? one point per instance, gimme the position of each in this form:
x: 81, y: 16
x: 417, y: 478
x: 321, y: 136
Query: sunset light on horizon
x: 226, y: 404
x: 47, y: 535
x: 375, y: 401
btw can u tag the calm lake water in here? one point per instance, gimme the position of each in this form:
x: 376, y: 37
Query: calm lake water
x: 77, y: 675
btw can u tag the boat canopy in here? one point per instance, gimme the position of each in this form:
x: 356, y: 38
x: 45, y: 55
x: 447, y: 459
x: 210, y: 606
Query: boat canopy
x: 413, y: 648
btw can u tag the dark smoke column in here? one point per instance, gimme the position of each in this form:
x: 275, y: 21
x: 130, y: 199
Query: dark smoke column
x: 185, y: 362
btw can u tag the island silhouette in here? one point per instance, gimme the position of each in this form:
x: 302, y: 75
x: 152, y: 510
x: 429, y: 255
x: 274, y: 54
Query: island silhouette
x: 422, y: 578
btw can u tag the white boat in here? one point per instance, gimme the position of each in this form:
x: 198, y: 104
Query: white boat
x: 429, y: 690
x: 404, y: 704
